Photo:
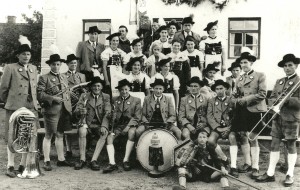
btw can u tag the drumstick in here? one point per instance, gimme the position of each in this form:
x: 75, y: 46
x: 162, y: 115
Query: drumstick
x: 204, y: 164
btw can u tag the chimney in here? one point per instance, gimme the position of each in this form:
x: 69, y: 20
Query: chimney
x: 11, y: 19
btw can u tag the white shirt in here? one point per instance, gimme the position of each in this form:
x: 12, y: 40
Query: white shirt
x: 188, y: 34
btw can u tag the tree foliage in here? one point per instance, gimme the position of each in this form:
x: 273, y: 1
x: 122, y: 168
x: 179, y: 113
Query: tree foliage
x: 9, y: 35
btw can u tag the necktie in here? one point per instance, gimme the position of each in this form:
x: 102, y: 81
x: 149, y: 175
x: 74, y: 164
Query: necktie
x: 233, y: 84
x: 157, y: 105
x: 196, y: 113
x: 94, y: 45
x: 96, y: 100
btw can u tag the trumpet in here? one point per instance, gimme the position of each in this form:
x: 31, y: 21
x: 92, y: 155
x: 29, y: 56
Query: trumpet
x: 277, y: 105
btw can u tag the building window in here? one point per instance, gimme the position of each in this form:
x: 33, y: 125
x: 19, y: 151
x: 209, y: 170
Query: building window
x: 103, y: 24
x: 244, y: 32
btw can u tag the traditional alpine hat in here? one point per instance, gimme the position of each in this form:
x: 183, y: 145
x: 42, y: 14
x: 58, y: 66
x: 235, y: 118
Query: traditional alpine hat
x: 196, y: 80
x: 53, y: 58
x: 287, y: 58
x: 162, y: 62
x: 122, y: 83
x: 95, y: 80
x: 220, y: 82
x: 248, y: 56
x: 234, y: 65
x: 188, y: 20
x: 71, y: 57
x: 110, y: 37
x: 23, y: 48
x: 211, y: 67
x: 135, y: 41
x: 93, y: 29
x: 158, y: 82
x: 210, y: 25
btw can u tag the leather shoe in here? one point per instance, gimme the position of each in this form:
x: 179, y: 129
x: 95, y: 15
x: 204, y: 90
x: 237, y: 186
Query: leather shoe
x: 234, y: 172
x: 265, y: 178
x: 288, y: 181
x: 11, y: 172
x: 21, y: 168
x: 126, y: 166
x: 254, y: 173
x: 79, y: 165
x: 110, y: 168
x: 230, y: 188
x: 47, y: 166
x: 178, y: 187
x: 245, y: 168
x: 64, y: 163
x: 95, y: 166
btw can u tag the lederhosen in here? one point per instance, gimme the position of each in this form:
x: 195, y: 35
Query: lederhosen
x: 207, y: 156
x: 123, y: 120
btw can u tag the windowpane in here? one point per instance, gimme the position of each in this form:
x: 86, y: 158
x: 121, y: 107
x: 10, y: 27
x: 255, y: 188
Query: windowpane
x: 235, y: 51
x: 103, y: 25
x: 251, y: 25
x: 254, y: 49
x: 251, y: 38
x: 237, y: 25
x: 236, y: 38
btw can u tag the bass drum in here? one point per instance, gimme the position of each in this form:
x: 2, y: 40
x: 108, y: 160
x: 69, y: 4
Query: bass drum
x: 166, y: 140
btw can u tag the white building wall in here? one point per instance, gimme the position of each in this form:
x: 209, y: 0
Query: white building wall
x: 280, y: 24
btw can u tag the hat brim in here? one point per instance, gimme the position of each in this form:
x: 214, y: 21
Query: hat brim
x: 68, y: 61
x: 249, y: 58
x: 225, y: 84
x: 120, y: 86
x: 188, y: 22
x: 155, y: 84
x: 97, y: 31
x: 28, y: 50
x: 206, y: 70
x: 282, y: 62
x: 201, y: 83
x: 51, y: 61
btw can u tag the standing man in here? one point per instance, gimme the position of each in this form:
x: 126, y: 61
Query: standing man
x: 18, y: 89
x: 96, y: 109
x: 187, y: 25
x: 89, y: 53
x: 286, y: 124
x: 252, y: 91
x: 53, y: 93
x: 74, y: 78
x: 124, y: 43
x: 173, y: 28
x: 126, y: 117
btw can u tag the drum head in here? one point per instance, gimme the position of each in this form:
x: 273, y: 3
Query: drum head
x: 166, y: 140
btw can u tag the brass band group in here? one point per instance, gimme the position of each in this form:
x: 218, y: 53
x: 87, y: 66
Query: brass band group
x: 172, y: 82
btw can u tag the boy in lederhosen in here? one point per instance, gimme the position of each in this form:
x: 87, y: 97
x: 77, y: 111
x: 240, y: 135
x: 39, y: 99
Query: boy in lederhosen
x: 54, y: 96
x: 74, y: 78
x: 96, y: 109
x: 252, y: 91
x: 286, y: 124
x: 158, y: 108
x: 126, y: 117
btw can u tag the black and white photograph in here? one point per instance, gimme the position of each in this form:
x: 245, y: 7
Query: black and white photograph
x: 149, y: 95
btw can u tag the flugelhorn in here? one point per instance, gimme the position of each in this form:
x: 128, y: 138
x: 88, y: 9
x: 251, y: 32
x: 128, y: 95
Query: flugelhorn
x: 277, y: 105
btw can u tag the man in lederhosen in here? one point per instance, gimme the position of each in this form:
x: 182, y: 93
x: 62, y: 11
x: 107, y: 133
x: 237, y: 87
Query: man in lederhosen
x: 192, y: 110
x: 89, y: 53
x: 18, y: 89
x: 286, y: 124
x: 252, y: 91
x: 96, y: 109
x: 159, y: 109
x: 74, y: 78
x: 54, y: 96
x: 126, y: 117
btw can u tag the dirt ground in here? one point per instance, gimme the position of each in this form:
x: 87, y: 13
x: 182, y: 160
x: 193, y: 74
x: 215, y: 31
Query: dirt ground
x: 66, y: 178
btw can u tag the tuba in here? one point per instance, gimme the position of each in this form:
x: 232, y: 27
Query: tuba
x: 22, y: 139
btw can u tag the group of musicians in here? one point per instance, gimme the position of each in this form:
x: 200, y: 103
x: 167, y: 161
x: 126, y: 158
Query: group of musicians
x: 227, y: 110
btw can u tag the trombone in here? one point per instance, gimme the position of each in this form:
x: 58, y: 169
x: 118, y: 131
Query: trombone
x: 276, y: 106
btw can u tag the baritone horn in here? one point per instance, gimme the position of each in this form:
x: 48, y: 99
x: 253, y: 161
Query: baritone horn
x: 277, y: 105
x: 22, y: 139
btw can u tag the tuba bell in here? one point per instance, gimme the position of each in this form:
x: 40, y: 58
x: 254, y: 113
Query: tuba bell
x: 22, y: 139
